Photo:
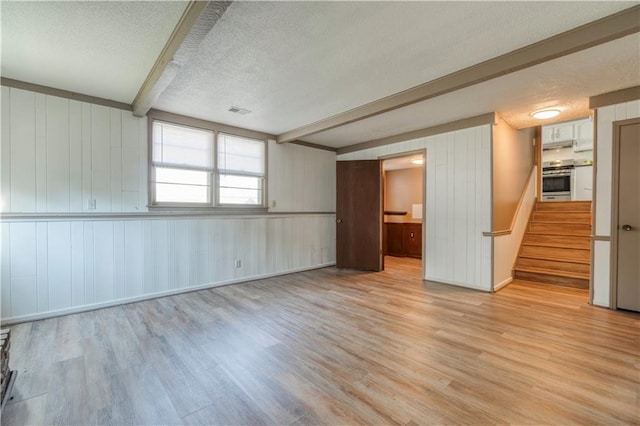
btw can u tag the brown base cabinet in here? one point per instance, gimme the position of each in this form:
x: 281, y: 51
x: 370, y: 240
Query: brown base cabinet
x: 403, y: 239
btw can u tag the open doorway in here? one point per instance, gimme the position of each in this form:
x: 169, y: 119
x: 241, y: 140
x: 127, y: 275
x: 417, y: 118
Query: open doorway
x: 403, y: 204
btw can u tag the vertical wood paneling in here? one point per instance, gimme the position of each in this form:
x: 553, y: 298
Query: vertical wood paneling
x: 148, y: 257
x: 460, y: 208
x: 601, y: 272
x: 133, y: 258
x: 472, y: 199
x: 103, y: 276
x: 89, y: 288
x: 449, y: 200
x: 42, y: 265
x: 300, y: 178
x: 182, y: 258
x: 24, y: 296
x: 5, y: 269
x: 5, y: 151
x: 142, y: 164
x: 130, y: 162
x: 118, y: 260
x: 116, y: 160
x: 77, y: 264
x: 59, y: 265
x: 65, y: 264
x: 458, y: 198
x: 86, y: 157
x: 23, y: 150
x: 160, y: 255
x: 606, y: 117
x: 101, y: 157
x: 57, y: 158
x: 41, y: 152
x: 75, y: 156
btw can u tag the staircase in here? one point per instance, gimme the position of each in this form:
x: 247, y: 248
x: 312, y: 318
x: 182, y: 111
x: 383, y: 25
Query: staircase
x: 556, y: 246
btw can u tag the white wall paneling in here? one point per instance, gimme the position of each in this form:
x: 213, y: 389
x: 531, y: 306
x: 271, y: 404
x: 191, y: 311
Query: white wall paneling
x: 604, y: 163
x: 300, y: 179
x: 458, y: 203
x: 57, y: 154
x: 65, y: 265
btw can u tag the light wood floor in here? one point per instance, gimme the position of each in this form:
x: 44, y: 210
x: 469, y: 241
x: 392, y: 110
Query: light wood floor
x: 333, y: 347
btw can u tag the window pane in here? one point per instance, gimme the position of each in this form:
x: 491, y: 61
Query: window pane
x: 191, y: 177
x: 173, y: 193
x: 182, y: 186
x: 237, y: 154
x: 240, y: 190
x: 182, y: 146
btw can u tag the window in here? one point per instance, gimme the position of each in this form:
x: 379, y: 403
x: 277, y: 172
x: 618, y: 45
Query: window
x: 184, y: 171
x: 241, y: 170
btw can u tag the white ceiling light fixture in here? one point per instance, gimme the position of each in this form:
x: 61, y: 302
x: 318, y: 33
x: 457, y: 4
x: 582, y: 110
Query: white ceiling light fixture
x: 417, y: 161
x: 543, y: 114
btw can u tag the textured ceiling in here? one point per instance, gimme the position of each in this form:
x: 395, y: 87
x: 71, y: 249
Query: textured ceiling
x: 104, y: 49
x: 293, y: 63
x: 565, y: 82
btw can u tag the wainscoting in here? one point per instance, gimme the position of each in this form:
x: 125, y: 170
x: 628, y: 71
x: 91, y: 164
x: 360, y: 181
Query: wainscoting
x: 60, y: 266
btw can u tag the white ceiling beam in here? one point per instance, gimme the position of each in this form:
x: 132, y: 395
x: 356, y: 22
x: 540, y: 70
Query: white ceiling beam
x: 583, y: 37
x: 198, y: 19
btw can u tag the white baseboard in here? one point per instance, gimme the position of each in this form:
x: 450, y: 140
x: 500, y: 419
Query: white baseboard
x: 458, y: 284
x: 125, y: 301
x: 503, y: 284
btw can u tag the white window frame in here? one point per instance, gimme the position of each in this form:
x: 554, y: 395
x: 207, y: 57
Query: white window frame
x: 214, y: 176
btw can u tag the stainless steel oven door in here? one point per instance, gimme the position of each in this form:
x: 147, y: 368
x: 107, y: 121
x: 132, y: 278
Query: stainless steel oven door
x: 556, y: 185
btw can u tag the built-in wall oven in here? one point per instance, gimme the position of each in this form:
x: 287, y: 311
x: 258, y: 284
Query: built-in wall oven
x: 557, y: 180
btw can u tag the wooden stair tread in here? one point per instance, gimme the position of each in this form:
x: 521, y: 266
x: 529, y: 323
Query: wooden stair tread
x: 577, y: 246
x: 555, y: 259
x: 551, y: 272
x: 576, y: 233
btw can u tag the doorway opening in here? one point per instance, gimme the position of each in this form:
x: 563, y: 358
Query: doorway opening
x: 403, y: 204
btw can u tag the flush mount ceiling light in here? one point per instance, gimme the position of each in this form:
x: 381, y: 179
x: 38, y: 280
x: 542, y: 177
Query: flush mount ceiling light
x: 543, y: 114
x: 417, y: 161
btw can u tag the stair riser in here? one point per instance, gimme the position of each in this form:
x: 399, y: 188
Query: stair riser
x: 560, y: 228
x: 556, y: 253
x: 571, y: 217
x: 552, y: 265
x: 558, y: 240
x: 552, y: 279
x: 583, y: 206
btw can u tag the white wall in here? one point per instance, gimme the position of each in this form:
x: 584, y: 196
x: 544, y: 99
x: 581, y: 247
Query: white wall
x: 57, y: 154
x: 301, y: 179
x: 603, y: 168
x: 458, y: 203
x: 507, y: 247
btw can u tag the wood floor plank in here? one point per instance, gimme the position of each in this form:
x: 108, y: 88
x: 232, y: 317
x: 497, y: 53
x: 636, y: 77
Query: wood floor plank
x: 334, y: 347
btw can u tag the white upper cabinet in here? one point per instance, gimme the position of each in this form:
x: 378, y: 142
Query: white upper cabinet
x: 559, y: 132
x: 578, y: 134
x: 584, y: 135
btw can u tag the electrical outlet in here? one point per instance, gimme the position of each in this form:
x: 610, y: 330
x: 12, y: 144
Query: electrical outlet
x: 273, y: 203
x: 91, y: 205
x: 238, y: 263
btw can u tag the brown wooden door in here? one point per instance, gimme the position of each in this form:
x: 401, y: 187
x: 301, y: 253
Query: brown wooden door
x: 359, y: 215
x: 628, y: 233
